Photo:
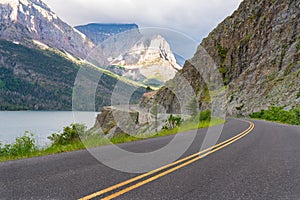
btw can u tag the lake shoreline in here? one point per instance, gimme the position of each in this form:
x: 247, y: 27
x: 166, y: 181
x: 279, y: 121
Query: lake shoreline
x: 41, y: 123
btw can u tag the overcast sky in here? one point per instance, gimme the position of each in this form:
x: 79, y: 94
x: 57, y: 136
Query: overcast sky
x: 195, y: 18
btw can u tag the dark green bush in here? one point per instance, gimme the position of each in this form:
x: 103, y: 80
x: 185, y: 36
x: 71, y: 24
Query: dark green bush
x: 280, y: 115
x: 70, y: 134
x: 173, y: 122
x: 222, y: 53
x: 205, y: 115
x: 23, y: 146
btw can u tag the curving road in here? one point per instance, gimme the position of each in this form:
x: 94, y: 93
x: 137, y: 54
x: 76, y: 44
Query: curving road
x: 261, y: 164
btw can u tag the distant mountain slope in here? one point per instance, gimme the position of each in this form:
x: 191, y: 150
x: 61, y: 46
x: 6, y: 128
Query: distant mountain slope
x: 98, y: 32
x: 37, y: 79
x: 257, y: 50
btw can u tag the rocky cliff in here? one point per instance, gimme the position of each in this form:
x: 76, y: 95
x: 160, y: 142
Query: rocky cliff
x: 257, y: 53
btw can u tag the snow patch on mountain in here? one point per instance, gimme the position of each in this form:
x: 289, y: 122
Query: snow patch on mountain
x: 81, y: 34
x: 14, y: 6
x: 46, y: 13
x: 17, y: 6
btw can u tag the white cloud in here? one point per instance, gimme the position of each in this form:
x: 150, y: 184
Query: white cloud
x: 196, y: 18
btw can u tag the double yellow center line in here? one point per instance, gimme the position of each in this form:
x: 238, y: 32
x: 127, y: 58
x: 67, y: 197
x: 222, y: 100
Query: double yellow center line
x: 167, y: 169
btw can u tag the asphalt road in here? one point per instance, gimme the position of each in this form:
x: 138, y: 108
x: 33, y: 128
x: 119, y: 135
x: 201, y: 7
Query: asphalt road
x: 265, y: 164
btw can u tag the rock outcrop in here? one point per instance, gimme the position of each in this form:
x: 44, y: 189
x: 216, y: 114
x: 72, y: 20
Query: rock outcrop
x: 111, y: 126
x: 114, y: 121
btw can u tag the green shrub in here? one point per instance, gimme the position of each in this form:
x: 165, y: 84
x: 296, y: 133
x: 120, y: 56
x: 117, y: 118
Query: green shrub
x: 205, y: 115
x: 173, y: 122
x: 223, y: 70
x: 278, y: 114
x: 222, y: 53
x: 70, y: 135
x: 23, y: 146
x: 247, y: 38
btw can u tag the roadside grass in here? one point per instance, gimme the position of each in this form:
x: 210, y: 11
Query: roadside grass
x: 278, y: 114
x: 192, y: 125
x: 186, y: 126
x: 39, y: 152
x: 53, y: 149
x: 69, y: 140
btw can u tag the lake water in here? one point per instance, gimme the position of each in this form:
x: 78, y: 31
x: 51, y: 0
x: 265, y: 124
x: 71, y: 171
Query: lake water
x: 41, y: 124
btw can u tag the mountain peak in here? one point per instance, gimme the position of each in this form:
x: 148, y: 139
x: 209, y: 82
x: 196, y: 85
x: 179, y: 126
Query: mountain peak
x: 39, y: 3
x: 155, y: 48
x: 17, y: 6
x: 25, y: 20
x: 15, y: 3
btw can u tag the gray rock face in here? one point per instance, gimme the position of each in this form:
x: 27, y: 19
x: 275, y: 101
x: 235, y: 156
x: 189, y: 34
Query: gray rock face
x: 32, y: 19
x: 110, y: 123
x: 257, y: 51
